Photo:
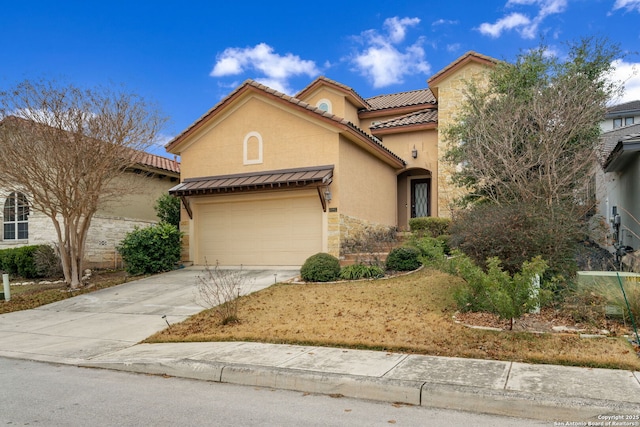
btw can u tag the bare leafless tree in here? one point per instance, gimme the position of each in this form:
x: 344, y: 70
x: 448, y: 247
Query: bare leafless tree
x: 66, y: 146
x: 530, y: 135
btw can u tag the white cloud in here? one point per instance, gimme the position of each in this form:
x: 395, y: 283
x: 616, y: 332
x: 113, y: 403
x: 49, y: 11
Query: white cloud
x: 507, y: 23
x: 383, y: 61
x: 629, y: 74
x: 523, y: 24
x: 397, y: 28
x: 453, y: 47
x: 273, y: 68
x: 630, y: 5
x: 443, y: 22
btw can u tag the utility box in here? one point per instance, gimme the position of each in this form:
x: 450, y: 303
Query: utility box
x: 606, y: 278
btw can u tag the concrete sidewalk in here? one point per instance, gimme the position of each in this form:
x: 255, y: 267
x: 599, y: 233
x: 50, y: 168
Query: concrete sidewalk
x: 102, y: 329
x: 546, y: 392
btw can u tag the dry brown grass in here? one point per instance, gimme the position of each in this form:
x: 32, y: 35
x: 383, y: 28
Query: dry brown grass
x: 410, y: 313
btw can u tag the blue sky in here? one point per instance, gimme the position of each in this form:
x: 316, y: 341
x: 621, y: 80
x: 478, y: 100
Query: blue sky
x: 188, y: 55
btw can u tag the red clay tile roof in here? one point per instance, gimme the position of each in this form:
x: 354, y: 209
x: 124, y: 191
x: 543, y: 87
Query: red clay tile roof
x: 402, y: 99
x: 417, y: 118
x: 299, y: 177
x: 141, y: 157
x: 158, y: 162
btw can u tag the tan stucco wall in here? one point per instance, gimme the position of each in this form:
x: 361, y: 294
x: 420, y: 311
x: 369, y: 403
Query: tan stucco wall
x: 218, y: 148
x: 340, y: 106
x: 139, y: 198
x: 373, y: 200
x: 450, y: 97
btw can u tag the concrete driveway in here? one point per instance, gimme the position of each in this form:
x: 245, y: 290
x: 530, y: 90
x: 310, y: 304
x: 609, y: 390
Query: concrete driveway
x: 101, y: 322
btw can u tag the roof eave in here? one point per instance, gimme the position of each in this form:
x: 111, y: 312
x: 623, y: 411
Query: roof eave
x: 404, y: 129
x: 468, y: 57
x: 365, y: 114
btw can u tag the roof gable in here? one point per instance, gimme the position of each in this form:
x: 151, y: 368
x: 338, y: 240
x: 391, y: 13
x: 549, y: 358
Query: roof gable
x: 321, y: 81
x: 467, y: 58
x: 251, y: 86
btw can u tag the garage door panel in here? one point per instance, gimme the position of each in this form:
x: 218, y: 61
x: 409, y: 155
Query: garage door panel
x: 282, y: 231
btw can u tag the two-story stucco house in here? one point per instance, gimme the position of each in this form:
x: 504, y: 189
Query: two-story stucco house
x: 270, y: 179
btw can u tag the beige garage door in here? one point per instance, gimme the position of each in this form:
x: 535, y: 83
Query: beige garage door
x: 270, y: 231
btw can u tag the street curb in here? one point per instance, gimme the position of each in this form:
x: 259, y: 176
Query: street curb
x: 419, y: 393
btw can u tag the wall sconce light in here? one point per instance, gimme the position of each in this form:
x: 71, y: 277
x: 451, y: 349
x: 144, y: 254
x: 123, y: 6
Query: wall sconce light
x: 327, y: 194
x: 414, y: 152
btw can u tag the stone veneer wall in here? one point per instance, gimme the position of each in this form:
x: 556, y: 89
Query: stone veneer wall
x: 104, y: 235
x: 334, y: 233
x: 350, y: 227
x: 450, y: 97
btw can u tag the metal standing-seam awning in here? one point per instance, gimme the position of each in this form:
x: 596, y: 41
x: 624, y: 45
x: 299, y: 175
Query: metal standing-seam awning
x: 318, y: 176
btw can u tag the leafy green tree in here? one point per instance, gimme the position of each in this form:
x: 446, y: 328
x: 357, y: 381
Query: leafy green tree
x: 168, y: 209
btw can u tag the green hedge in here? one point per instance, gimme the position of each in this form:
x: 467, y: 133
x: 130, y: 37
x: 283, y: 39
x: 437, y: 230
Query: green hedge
x: 151, y: 250
x: 20, y: 261
x: 429, y: 226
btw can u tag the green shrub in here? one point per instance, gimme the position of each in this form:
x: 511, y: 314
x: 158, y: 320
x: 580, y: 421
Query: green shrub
x: 167, y: 208
x: 516, y: 233
x: 429, y: 226
x: 151, y: 250
x: 403, y: 259
x: 20, y: 261
x: 444, y: 240
x: 496, y: 291
x: 47, y: 261
x: 431, y: 250
x: 361, y: 271
x: 321, y: 267
x: 7, y: 261
x: 25, y: 263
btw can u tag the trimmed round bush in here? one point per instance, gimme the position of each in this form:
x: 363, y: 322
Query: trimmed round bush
x: 403, y: 259
x: 321, y: 267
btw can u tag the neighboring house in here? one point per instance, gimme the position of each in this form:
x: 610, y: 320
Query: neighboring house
x: 621, y: 115
x: 617, y: 184
x: 270, y: 179
x: 151, y: 177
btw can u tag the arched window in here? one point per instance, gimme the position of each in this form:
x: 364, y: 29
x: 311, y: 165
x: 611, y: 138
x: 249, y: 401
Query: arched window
x: 16, y: 217
x: 324, y: 105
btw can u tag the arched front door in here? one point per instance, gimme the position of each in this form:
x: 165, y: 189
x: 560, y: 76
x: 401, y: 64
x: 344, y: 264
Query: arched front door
x: 415, y: 196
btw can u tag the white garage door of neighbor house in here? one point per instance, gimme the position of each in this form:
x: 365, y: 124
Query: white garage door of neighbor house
x: 281, y: 231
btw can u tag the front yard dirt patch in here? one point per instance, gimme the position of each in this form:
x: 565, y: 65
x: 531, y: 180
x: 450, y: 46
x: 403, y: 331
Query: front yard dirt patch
x: 46, y: 291
x: 412, y: 313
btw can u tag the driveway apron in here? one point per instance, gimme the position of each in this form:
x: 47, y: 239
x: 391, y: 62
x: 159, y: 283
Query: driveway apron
x: 80, y: 328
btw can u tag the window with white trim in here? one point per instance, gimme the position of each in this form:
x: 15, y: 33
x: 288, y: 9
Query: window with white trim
x: 16, y: 217
x: 324, y: 105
